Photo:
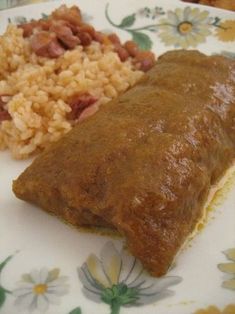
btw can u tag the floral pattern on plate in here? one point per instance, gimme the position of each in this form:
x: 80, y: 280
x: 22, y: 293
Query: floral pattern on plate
x: 229, y: 268
x: 226, y: 31
x: 182, y: 28
x: 77, y: 310
x: 40, y: 288
x: 185, y: 28
x: 229, y: 309
x: 3, y: 291
x: 118, y: 279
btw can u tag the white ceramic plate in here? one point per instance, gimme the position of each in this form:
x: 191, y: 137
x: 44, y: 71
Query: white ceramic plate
x: 46, y: 256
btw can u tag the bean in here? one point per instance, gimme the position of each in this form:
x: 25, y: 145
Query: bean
x: 144, y: 60
x: 85, y: 38
x: 114, y: 39
x: 101, y: 38
x: 132, y: 48
x: 45, y: 24
x: 87, y: 28
x: 122, y: 52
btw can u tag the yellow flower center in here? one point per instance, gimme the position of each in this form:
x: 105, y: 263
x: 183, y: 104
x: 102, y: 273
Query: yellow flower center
x: 185, y: 27
x: 40, y: 289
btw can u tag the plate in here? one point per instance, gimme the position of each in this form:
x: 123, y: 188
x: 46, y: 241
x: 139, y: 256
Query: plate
x: 49, y: 267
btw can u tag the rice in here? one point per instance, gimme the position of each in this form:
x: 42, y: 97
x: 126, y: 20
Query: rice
x: 40, y: 88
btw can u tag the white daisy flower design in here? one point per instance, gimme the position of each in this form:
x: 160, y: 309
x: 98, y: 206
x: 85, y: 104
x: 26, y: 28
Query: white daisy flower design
x: 40, y: 288
x: 118, y: 279
x: 185, y: 28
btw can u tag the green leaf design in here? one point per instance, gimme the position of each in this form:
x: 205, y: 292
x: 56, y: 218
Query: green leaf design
x: 45, y: 16
x: 216, y: 21
x: 3, y: 264
x: 128, y: 21
x: 2, y: 290
x: 20, y: 20
x: 76, y: 311
x: 142, y: 40
x: 115, y: 307
x: 2, y: 296
x: 120, y: 294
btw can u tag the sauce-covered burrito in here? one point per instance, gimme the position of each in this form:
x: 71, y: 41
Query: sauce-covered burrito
x: 144, y: 164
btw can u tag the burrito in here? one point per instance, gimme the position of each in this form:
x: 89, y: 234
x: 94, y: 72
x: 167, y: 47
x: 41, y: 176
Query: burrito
x: 145, y: 163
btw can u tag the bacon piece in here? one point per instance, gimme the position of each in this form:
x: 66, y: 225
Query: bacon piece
x: 87, y: 112
x: 78, y: 103
x: 28, y: 28
x: 45, y: 44
x: 64, y: 34
x: 55, y: 49
x: 72, y: 15
x: 4, y: 115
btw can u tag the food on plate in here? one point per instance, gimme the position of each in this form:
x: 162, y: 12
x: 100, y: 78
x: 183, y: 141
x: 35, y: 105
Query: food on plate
x: 144, y: 164
x: 55, y: 73
x: 222, y: 4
